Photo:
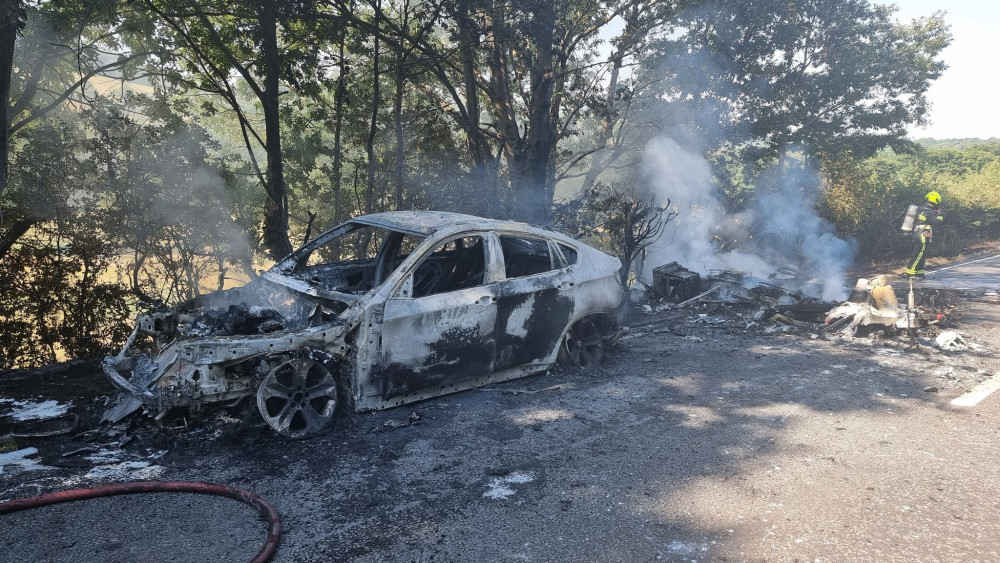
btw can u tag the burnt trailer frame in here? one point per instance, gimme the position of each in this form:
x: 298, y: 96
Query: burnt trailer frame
x: 375, y: 332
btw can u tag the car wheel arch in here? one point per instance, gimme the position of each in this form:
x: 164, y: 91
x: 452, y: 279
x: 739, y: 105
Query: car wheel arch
x: 584, y: 339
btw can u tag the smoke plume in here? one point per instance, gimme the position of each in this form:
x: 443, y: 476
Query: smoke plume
x: 779, y: 235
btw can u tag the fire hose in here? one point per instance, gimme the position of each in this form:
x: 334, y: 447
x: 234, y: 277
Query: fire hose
x: 262, y: 506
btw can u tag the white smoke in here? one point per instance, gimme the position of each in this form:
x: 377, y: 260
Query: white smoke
x: 790, y: 235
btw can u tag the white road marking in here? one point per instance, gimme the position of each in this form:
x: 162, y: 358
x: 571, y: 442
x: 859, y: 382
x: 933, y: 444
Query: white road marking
x: 963, y: 264
x: 978, y: 393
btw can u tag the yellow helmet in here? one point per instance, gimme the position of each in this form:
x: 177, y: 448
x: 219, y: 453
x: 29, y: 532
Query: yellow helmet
x: 933, y: 197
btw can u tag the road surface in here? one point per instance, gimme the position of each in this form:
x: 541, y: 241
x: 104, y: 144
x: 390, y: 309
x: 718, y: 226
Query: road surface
x: 977, y: 274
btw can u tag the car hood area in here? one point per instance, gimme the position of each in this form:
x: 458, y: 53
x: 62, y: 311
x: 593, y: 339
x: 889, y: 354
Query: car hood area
x: 187, y: 355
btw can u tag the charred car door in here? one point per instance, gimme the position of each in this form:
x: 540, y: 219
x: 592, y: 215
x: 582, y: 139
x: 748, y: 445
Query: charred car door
x: 535, y: 301
x: 438, y: 326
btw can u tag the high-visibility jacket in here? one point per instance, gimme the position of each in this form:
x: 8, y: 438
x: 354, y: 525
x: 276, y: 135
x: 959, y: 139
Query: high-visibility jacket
x: 927, y: 218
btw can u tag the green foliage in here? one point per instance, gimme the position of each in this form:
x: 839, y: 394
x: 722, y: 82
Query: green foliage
x: 165, y: 202
x: 54, y: 300
x: 121, y: 208
x: 8, y: 444
x: 829, y: 75
x: 958, y: 144
x: 866, y: 198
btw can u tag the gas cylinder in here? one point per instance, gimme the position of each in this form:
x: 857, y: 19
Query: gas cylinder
x: 910, y: 219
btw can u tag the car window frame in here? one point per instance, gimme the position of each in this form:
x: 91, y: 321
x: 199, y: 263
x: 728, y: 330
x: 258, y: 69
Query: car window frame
x: 558, y: 244
x: 556, y: 260
x: 403, y: 289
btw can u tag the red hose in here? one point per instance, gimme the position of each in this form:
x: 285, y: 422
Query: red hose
x: 262, y: 506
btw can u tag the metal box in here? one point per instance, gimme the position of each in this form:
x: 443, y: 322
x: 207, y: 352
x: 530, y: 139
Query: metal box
x: 675, y: 283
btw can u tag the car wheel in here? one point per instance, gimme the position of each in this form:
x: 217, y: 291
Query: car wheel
x: 298, y: 398
x: 583, y: 345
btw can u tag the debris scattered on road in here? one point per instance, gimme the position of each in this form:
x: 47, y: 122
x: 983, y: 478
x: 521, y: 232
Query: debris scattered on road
x: 46, y: 427
x: 675, y: 283
x: 872, y: 302
x: 952, y: 340
x: 416, y: 417
x: 530, y: 391
x: 81, y: 451
x: 499, y: 488
x: 732, y: 300
x: 20, y: 459
x: 28, y: 410
x: 699, y: 296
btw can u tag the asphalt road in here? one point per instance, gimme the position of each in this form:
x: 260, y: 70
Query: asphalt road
x: 704, y: 438
x: 976, y: 274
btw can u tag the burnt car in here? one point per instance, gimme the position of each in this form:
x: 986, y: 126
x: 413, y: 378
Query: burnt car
x: 383, y: 310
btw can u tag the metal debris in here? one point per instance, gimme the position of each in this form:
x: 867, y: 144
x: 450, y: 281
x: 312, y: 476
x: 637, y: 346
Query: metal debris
x: 872, y: 302
x: 46, y: 427
x: 872, y: 308
x: 416, y: 417
x: 699, y: 296
x: 675, y: 283
x: 526, y: 391
x: 952, y: 340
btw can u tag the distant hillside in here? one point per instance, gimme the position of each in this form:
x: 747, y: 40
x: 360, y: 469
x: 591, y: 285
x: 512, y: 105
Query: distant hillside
x: 958, y: 144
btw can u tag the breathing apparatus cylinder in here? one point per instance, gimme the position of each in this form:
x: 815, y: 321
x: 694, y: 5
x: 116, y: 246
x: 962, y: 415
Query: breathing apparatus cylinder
x: 911, y: 218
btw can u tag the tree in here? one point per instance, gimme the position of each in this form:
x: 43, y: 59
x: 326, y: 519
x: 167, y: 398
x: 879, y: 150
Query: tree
x: 54, y: 293
x: 619, y: 108
x: 829, y: 75
x: 536, y: 52
x: 12, y: 20
x: 265, y: 44
x: 632, y: 220
x: 503, y: 71
x: 427, y: 42
x: 64, y: 48
x: 623, y: 217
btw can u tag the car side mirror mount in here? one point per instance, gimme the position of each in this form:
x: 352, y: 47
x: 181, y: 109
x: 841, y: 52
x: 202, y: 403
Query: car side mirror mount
x: 405, y: 289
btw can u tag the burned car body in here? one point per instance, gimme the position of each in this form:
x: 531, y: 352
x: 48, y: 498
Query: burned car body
x: 383, y: 310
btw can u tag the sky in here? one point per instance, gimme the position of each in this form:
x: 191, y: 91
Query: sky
x: 964, y: 101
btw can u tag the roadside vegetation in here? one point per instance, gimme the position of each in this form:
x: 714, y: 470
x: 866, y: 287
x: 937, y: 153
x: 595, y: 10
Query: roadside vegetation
x: 160, y: 149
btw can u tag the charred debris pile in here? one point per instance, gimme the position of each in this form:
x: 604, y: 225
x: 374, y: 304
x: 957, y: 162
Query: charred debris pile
x: 736, y: 302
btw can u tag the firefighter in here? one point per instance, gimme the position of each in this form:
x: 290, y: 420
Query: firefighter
x: 928, y: 217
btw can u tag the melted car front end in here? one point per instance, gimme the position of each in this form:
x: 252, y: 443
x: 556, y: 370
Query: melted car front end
x: 207, y: 352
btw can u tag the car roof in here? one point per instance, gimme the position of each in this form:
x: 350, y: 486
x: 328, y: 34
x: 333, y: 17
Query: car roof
x: 427, y: 223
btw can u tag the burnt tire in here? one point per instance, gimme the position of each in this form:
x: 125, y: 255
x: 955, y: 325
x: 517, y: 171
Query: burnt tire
x: 298, y: 398
x: 583, y: 345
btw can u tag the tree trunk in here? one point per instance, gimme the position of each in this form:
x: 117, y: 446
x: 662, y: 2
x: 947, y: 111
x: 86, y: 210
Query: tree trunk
x: 373, y: 129
x: 502, y: 101
x: 541, y: 130
x: 399, y: 176
x: 338, y: 149
x: 10, y: 23
x: 480, y: 153
x: 13, y: 233
x: 276, y: 207
x: 597, y: 161
x: 529, y: 157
